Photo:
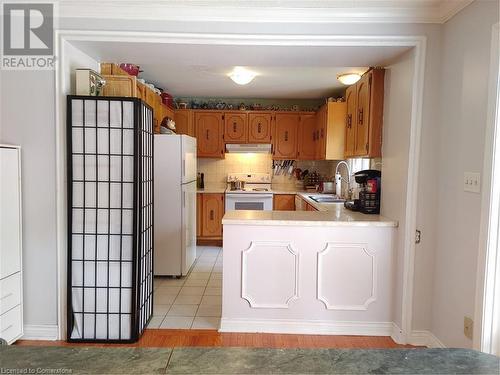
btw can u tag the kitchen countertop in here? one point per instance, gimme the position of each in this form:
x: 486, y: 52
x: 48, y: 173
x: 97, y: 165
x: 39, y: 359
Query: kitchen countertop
x: 213, y: 188
x: 336, y: 215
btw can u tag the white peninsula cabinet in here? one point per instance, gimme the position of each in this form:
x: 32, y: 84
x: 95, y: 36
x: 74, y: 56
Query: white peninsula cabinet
x: 11, y: 309
x: 308, y: 272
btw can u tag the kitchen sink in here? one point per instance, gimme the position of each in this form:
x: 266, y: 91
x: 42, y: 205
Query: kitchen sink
x: 324, y: 198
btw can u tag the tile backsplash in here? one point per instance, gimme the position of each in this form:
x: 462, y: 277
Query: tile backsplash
x: 216, y: 170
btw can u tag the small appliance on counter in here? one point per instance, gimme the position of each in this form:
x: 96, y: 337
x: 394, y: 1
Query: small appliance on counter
x: 369, y: 195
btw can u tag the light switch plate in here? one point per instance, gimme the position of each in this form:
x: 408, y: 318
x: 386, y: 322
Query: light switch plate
x: 472, y: 182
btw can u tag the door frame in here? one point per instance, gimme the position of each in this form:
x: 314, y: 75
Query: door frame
x: 418, y: 42
x: 487, y: 307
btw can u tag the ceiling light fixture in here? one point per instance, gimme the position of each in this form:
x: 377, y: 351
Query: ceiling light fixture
x: 242, y: 76
x: 349, y: 78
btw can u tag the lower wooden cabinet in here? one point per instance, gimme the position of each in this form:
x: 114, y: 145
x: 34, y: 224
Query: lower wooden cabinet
x: 284, y: 202
x: 210, y: 211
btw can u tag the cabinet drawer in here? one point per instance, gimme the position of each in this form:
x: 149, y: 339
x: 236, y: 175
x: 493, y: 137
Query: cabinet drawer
x: 11, y: 324
x: 10, y: 292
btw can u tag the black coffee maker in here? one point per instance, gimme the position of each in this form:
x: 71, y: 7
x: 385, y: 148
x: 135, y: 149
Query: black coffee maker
x: 369, y: 196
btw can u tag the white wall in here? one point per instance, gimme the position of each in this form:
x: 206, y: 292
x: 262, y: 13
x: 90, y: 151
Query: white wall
x: 464, y: 89
x: 20, y: 87
x: 398, y: 91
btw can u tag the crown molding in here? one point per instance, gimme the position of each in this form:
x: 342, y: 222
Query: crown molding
x: 267, y: 11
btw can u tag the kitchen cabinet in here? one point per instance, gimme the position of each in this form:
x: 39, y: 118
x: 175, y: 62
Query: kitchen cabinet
x: 184, y: 121
x: 199, y: 214
x: 210, y: 212
x: 350, y: 128
x: 365, y: 105
x: 307, y: 137
x: 310, y: 207
x: 286, y: 126
x: 259, y: 127
x: 235, y: 127
x: 120, y: 86
x: 209, y: 134
x: 330, y: 131
x: 284, y: 202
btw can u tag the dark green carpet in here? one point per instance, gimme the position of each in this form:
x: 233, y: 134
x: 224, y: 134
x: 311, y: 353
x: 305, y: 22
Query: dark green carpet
x: 92, y: 360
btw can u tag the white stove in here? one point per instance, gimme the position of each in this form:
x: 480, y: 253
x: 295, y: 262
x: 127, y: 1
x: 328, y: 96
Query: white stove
x: 256, y: 195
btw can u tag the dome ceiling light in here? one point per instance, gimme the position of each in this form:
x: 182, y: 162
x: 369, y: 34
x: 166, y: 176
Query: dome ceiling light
x: 242, y: 76
x: 349, y: 78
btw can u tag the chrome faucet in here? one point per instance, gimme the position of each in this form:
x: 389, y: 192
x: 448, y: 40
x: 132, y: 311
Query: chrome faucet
x: 339, y: 178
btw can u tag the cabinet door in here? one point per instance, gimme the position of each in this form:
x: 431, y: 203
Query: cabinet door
x: 285, y: 135
x: 184, y: 121
x: 209, y: 129
x: 307, y: 137
x: 259, y: 127
x: 284, y: 202
x: 235, y: 127
x: 320, y: 135
x: 120, y: 86
x: 351, y: 118
x: 213, y: 210
x: 199, y: 214
x: 363, y: 115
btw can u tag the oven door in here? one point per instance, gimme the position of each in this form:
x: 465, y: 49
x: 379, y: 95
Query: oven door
x: 249, y: 201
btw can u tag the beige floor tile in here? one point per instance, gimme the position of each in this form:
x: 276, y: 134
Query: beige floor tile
x: 196, y: 282
x: 155, y: 322
x: 215, y: 283
x: 172, y: 290
x: 192, y: 291
x: 211, y: 300
x: 187, y: 300
x: 199, y: 275
x: 216, y: 276
x: 201, y: 322
x: 177, y: 322
x: 209, y: 310
x: 163, y: 299
x: 160, y: 310
x: 213, y: 292
x: 183, y: 310
x: 172, y: 282
x: 203, y: 268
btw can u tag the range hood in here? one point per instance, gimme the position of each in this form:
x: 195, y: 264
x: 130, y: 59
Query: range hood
x: 247, y: 148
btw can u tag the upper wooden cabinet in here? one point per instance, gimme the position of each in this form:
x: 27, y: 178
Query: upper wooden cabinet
x: 235, y: 127
x: 365, y: 106
x: 209, y: 132
x: 120, y: 85
x: 184, y: 122
x: 286, y: 126
x: 330, y: 131
x: 259, y: 127
x: 307, y: 137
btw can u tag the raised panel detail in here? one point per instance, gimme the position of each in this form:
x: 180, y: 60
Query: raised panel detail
x: 263, y: 267
x: 347, y: 276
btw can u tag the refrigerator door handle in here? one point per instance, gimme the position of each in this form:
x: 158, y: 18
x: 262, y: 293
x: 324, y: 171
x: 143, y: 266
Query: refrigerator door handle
x: 184, y: 199
x: 183, y: 168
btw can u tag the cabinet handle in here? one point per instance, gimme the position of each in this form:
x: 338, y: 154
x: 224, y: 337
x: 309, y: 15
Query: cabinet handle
x: 286, y: 136
x: 322, y: 133
x: 234, y: 127
x: 211, y: 214
x: 206, y: 135
x: 360, y: 116
x: 259, y: 128
x: 349, y: 120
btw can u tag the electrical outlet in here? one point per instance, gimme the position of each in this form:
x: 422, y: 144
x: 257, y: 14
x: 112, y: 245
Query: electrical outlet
x: 468, y: 327
x: 472, y: 182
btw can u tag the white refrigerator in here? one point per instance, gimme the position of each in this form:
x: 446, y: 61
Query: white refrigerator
x: 174, y: 204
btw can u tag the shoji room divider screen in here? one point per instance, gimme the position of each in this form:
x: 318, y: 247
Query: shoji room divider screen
x: 110, y: 218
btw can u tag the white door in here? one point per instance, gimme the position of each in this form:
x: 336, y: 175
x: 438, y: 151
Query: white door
x: 188, y: 159
x: 188, y: 226
x: 9, y: 212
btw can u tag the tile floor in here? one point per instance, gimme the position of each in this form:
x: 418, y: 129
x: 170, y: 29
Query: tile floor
x: 194, y: 301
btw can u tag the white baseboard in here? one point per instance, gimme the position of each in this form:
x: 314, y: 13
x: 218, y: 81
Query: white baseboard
x: 397, y: 334
x: 312, y: 327
x: 40, y: 332
x: 425, y: 338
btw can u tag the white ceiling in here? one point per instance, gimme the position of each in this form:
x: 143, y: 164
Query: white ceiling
x: 283, y: 71
x: 393, y: 11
